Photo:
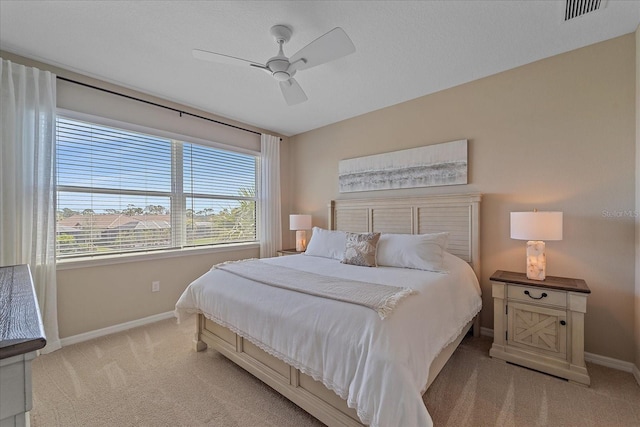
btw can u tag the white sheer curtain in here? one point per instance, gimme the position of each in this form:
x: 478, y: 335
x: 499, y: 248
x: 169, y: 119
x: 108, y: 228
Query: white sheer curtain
x: 270, y: 213
x: 27, y: 185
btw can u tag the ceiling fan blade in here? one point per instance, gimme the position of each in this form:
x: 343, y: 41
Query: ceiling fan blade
x: 292, y: 92
x: 332, y: 45
x: 223, y: 59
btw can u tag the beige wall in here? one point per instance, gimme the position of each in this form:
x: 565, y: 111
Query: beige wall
x: 97, y: 297
x: 557, y: 134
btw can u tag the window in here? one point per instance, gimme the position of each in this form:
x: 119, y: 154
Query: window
x: 120, y: 191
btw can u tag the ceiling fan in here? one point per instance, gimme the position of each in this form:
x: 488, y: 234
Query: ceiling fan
x: 332, y: 45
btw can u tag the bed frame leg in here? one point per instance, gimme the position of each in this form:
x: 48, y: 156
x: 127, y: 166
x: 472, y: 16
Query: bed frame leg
x: 476, y: 326
x: 199, y: 345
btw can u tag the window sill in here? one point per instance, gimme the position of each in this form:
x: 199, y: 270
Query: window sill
x: 70, y: 264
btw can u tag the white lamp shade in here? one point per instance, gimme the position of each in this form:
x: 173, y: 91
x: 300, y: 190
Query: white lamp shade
x: 299, y: 222
x: 536, y: 225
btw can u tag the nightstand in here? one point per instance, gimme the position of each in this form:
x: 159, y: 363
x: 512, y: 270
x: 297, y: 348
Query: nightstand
x: 540, y: 323
x: 284, y: 252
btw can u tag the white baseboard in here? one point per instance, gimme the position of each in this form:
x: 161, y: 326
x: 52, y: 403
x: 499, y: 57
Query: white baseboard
x: 609, y: 362
x: 486, y: 332
x: 115, y: 328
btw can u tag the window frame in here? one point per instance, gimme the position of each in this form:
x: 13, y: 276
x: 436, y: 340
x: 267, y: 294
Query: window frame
x: 177, y: 189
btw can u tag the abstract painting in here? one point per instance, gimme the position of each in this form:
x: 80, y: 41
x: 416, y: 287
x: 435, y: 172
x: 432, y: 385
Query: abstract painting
x: 432, y: 165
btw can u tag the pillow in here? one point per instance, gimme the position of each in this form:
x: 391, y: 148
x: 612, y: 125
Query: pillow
x: 361, y: 249
x: 419, y: 251
x: 327, y: 243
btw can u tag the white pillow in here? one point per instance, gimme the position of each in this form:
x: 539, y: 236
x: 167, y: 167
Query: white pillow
x: 419, y: 251
x: 327, y: 243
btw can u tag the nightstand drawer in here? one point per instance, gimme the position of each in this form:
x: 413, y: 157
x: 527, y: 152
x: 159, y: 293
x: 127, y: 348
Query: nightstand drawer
x: 537, y: 295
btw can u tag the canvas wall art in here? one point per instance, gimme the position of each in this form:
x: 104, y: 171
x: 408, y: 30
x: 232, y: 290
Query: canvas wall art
x: 432, y: 165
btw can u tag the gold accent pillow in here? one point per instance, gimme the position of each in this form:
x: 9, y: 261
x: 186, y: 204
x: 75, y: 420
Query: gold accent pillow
x: 361, y: 249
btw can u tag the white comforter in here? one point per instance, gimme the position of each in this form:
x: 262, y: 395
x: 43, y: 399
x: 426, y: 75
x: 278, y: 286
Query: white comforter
x: 379, y: 366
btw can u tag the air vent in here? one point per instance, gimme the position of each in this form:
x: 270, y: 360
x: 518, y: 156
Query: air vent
x: 576, y: 8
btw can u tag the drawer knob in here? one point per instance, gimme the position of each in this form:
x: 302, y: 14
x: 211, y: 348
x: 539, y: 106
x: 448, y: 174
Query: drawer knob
x: 544, y: 294
x: 562, y: 322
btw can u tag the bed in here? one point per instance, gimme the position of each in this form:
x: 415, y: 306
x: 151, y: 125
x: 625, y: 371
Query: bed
x: 339, y: 361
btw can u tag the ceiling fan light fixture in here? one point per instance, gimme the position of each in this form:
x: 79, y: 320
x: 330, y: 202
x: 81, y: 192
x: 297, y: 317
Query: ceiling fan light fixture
x: 281, y: 76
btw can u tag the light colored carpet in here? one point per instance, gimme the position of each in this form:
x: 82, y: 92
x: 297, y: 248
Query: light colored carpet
x: 149, y: 376
x: 476, y: 390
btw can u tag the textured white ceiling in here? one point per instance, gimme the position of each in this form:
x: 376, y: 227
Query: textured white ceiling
x: 404, y: 49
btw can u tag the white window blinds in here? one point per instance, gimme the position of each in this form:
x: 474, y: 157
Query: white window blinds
x: 220, y: 209
x: 120, y: 191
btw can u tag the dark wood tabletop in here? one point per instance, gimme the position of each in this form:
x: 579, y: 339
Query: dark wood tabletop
x: 21, y: 329
x: 551, y: 282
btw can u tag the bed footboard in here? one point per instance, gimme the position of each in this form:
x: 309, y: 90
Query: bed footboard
x: 301, y: 389
x: 304, y: 391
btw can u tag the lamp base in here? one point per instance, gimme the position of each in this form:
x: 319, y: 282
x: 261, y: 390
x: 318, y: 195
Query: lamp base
x: 536, y: 260
x: 301, y: 240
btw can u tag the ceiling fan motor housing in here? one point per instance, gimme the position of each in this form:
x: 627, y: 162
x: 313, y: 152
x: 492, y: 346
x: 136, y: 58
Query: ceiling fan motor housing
x: 278, y: 67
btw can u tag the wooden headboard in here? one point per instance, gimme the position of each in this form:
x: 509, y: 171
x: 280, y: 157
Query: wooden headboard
x: 458, y: 214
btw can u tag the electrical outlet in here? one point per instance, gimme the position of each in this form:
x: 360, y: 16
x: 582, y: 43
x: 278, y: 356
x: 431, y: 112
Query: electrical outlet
x: 155, y: 286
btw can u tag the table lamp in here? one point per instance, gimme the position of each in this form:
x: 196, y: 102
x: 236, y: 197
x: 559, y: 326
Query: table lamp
x: 300, y: 223
x: 536, y: 227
